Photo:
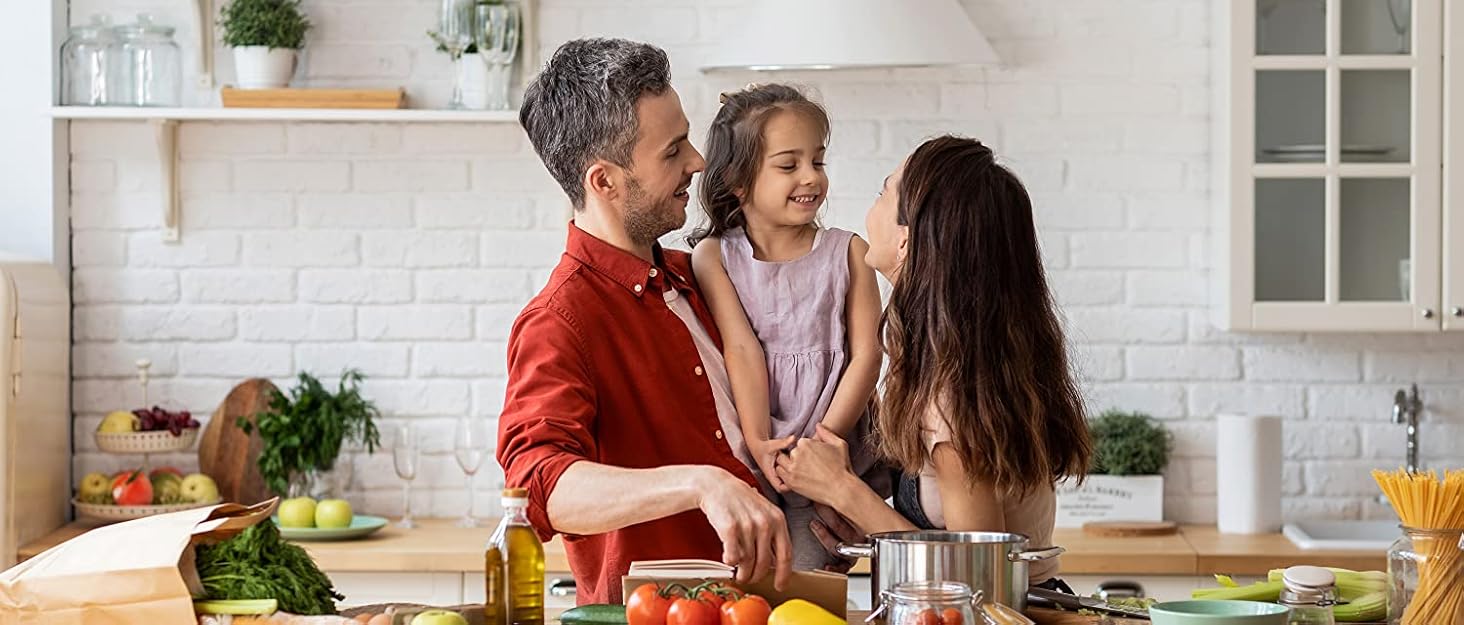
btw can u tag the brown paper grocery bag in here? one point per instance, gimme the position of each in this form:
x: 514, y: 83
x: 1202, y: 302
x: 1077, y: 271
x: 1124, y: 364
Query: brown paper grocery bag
x: 139, y: 572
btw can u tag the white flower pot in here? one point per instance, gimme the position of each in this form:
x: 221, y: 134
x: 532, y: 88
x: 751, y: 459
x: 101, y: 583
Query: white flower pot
x: 474, y: 75
x: 260, y: 67
x: 1110, y: 498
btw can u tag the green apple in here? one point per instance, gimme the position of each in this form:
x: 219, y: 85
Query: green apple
x: 94, y: 485
x: 297, y: 512
x: 199, y: 488
x: 333, y: 513
x: 439, y: 617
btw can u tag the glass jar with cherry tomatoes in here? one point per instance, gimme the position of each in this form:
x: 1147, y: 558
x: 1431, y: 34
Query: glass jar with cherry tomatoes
x: 929, y: 603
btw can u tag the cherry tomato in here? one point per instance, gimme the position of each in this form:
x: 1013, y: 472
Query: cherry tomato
x: 926, y: 617
x: 686, y: 611
x: 647, y: 606
x: 749, y: 610
x: 950, y: 616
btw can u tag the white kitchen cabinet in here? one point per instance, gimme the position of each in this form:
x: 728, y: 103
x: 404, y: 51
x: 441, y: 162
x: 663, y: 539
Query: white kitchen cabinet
x: 1329, y: 144
x: 428, y: 588
x: 1453, y: 252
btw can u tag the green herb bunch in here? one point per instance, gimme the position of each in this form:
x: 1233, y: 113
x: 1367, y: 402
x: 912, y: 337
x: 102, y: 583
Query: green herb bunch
x: 272, y: 23
x: 1129, y: 443
x: 305, y: 430
x: 259, y: 564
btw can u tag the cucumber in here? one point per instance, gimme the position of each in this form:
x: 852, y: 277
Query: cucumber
x: 236, y: 606
x: 600, y: 614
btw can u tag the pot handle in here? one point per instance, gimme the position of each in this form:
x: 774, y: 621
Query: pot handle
x: 855, y: 550
x: 1036, y: 554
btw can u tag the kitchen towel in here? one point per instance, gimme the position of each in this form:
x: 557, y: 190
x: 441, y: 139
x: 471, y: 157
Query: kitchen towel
x: 1248, y: 474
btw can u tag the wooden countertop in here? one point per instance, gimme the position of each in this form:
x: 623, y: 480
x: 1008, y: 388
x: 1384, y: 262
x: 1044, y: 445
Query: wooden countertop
x: 439, y: 546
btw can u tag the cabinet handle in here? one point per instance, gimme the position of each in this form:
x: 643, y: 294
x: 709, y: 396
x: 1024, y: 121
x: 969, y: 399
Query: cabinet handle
x: 1428, y: 313
x: 1458, y: 311
x: 561, y: 587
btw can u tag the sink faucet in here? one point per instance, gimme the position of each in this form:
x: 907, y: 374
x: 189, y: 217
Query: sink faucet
x: 1406, y: 408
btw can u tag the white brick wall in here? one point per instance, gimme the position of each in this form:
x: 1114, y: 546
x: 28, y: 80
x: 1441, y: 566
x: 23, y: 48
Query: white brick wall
x: 406, y: 250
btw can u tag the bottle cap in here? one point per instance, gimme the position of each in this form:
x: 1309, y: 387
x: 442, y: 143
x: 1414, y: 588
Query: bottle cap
x: 516, y: 493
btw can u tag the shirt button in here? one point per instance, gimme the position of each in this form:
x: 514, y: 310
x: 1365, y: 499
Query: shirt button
x: 719, y: 435
x: 654, y: 272
x: 698, y: 370
x: 638, y: 288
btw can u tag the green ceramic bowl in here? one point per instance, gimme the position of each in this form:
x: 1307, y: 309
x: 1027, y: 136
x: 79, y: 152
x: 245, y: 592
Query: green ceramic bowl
x: 1218, y: 613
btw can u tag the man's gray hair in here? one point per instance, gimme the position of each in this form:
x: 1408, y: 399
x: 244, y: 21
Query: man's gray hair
x: 581, y: 107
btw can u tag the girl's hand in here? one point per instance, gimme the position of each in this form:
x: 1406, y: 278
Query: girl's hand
x: 765, y: 453
x: 817, y: 467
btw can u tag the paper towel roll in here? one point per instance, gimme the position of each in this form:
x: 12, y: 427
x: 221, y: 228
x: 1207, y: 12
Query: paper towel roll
x: 1248, y: 480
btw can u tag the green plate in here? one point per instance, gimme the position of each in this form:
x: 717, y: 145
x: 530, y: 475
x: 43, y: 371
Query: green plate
x: 362, y: 525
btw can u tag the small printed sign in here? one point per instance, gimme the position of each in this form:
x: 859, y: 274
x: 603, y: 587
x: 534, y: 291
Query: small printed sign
x: 1110, y: 498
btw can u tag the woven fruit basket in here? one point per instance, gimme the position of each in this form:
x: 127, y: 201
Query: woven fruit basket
x: 113, y: 512
x: 156, y: 442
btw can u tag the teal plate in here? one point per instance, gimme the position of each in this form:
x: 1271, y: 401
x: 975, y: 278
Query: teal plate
x: 362, y: 525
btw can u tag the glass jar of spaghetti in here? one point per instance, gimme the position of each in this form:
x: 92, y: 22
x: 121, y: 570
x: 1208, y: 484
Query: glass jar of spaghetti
x: 1426, y: 577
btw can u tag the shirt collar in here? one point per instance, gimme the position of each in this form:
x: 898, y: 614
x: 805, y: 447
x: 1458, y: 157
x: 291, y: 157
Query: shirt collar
x: 626, y: 269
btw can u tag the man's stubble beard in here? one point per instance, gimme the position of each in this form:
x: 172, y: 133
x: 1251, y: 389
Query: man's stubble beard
x: 646, y: 219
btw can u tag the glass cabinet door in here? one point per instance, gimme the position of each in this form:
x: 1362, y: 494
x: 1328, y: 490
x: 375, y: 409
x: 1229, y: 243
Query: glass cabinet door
x: 1343, y: 187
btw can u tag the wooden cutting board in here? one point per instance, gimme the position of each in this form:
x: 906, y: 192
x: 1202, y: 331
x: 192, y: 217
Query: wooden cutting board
x: 227, y: 454
x: 1126, y: 529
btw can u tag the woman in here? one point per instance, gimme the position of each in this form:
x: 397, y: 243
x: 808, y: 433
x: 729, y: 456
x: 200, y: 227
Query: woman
x: 978, y: 408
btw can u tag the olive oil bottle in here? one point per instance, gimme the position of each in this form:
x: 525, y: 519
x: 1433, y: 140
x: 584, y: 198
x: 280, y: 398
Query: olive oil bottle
x: 514, y: 567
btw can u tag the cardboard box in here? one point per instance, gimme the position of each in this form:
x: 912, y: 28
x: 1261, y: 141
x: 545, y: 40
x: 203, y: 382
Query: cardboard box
x: 829, y: 591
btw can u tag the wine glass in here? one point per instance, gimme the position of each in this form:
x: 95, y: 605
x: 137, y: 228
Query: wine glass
x: 454, y: 33
x: 469, y: 448
x: 497, y: 37
x: 405, y: 453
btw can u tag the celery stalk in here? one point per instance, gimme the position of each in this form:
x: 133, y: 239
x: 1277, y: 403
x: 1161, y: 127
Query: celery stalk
x: 1225, y: 581
x: 1369, y: 607
x: 1259, y: 591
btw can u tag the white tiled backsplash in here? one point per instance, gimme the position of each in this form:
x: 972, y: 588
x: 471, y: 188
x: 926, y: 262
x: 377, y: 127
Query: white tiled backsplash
x: 406, y: 250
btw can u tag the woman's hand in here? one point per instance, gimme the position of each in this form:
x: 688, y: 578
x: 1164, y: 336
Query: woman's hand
x: 817, y: 468
x: 765, y: 453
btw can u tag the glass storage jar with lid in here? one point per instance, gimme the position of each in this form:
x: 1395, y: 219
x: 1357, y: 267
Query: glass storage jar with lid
x: 929, y: 603
x: 1426, y: 577
x: 149, y: 63
x: 86, y: 71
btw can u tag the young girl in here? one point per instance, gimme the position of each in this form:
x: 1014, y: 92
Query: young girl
x: 978, y: 406
x: 797, y: 307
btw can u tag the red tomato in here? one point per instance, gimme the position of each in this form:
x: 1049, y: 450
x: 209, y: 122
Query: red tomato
x: 950, y: 616
x: 926, y: 617
x: 749, y: 610
x: 692, y: 612
x: 132, y: 488
x: 647, y: 606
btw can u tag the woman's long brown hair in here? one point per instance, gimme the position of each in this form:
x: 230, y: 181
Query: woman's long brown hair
x: 972, y: 329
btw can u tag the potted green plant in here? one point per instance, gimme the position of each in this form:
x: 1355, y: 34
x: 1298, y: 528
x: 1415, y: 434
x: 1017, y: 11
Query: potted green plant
x: 1126, y: 481
x: 266, y: 36
x: 303, y: 433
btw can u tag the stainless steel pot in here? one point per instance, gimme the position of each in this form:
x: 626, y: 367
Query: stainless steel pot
x: 994, y: 563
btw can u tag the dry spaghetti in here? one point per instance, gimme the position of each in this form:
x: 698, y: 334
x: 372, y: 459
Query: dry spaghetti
x: 1436, y: 508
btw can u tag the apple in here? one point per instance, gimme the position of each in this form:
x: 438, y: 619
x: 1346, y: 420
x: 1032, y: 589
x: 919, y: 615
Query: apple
x: 439, y: 617
x: 297, y: 512
x: 118, y: 422
x: 95, y: 485
x: 132, y: 489
x: 167, y: 470
x: 333, y: 513
x: 199, y: 488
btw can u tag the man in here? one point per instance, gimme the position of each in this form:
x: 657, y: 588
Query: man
x: 618, y: 416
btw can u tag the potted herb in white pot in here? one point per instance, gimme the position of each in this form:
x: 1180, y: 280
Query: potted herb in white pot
x: 1126, y: 481
x: 266, y: 36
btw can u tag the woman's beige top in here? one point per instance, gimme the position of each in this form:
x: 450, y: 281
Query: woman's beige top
x: 1033, y: 515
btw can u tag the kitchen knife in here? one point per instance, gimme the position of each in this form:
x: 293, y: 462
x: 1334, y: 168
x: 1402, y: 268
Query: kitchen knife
x: 1075, y: 602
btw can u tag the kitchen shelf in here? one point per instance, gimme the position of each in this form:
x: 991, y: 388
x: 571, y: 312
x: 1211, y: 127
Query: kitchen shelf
x: 166, y: 122
x: 220, y: 114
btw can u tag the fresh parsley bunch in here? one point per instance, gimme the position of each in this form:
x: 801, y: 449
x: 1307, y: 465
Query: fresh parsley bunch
x: 305, y: 430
